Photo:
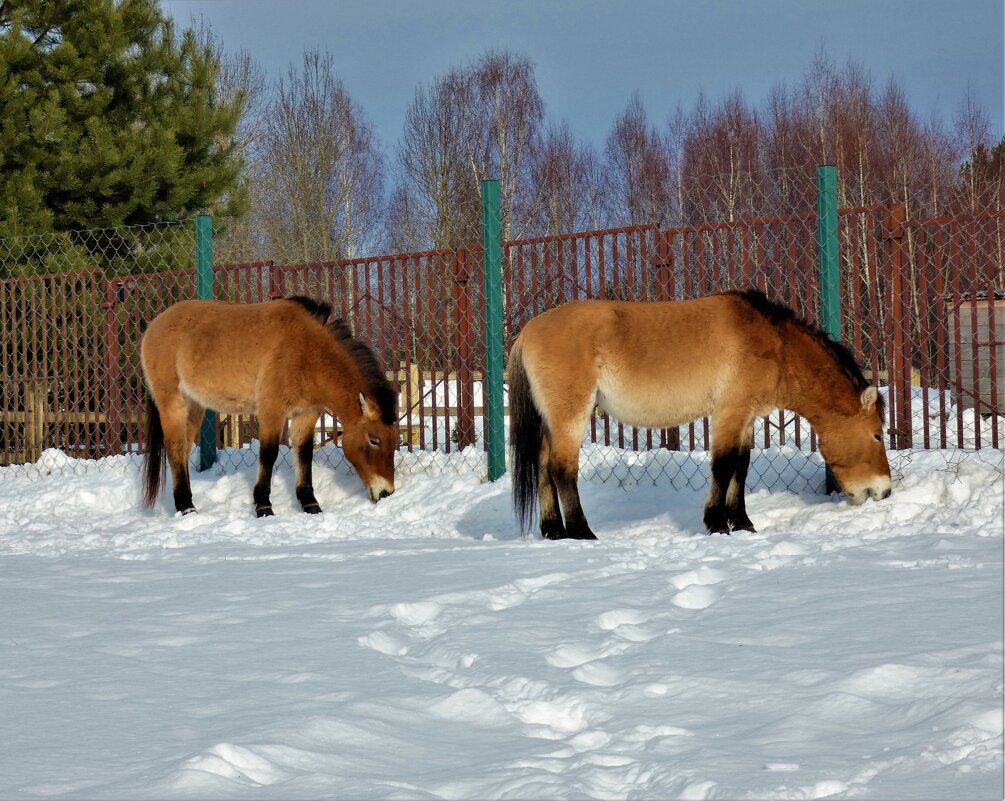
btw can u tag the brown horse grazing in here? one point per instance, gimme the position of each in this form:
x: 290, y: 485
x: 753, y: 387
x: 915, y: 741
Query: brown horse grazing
x: 732, y: 356
x: 279, y: 360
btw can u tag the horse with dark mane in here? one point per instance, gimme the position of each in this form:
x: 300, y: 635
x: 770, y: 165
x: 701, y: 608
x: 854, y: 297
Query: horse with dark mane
x: 732, y: 356
x: 280, y: 360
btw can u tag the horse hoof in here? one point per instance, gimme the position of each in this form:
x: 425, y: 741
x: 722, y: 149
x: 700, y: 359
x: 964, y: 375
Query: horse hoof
x: 312, y: 509
x: 575, y: 535
x: 264, y: 511
x: 553, y: 532
x: 188, y: 511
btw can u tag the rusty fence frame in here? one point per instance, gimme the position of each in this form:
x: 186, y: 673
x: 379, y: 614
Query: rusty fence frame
x: 909, y: 289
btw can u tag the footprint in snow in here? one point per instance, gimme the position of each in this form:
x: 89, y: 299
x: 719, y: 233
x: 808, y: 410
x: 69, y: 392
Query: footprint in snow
x: 696, y: 588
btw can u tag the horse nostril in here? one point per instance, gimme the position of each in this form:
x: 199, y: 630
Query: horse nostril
x: 383, y: 494
x: 885, y: 494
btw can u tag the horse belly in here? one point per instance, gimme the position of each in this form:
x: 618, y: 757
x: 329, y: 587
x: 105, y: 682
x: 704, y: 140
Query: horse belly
x: 219, y: 379
x: 656, y: 406
x: 226, y: 397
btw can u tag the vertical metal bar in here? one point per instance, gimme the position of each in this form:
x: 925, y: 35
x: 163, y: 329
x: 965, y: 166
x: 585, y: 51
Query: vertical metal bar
x: 424, y: 357
x: 204, y: 290
x: 828, y: 266
x: 495, y: 431
x: 924, y: 311
x: 975, y: 331
x: 899, y: 367
x: 957, y: 344
x: 993, y: 344
x: 112, y: 400
x: 463, y: 328
x: 409, y: 345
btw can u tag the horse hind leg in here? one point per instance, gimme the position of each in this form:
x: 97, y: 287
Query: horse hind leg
x: 552, y: 527
x: 563, y: 468
x: 176, y: 417
x: 302, y: 440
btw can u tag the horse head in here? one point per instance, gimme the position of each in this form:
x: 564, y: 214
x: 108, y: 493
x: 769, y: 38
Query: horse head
x: 369, y: 443
x: 852, y: 445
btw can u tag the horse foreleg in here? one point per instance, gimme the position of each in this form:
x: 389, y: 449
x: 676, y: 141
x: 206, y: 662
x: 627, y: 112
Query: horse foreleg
x: 730, y: 460
x: 302, y: 440
x: 552, y: 527
x: 736, y: 506
x: 270, y: 426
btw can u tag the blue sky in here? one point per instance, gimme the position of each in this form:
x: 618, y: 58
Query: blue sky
x: 590, y: 56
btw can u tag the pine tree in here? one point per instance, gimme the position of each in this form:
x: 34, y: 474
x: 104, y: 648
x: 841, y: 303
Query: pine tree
x: 108, y: 118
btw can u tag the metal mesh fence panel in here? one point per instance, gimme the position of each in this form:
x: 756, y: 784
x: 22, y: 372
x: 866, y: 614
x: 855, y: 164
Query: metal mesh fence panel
x: 72, y: 308
x: 922, y: 307
x: 422, y: 313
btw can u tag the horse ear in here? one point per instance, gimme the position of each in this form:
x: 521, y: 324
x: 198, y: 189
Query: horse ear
x: 869, y: 397
x: 366, y: 406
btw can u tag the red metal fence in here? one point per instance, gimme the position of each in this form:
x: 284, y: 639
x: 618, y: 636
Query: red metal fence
x: 922, y: 308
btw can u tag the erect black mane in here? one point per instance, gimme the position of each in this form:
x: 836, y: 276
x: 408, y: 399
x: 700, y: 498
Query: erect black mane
x: 373, y: 374
x: 778, y: 314
x: 317, y: 308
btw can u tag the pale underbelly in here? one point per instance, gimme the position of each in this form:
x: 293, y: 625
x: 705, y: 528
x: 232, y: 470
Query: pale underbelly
x: 654, y: 409
x: 225, y: 398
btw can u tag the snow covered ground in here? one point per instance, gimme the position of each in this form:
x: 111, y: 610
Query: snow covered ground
x: 419, y: 648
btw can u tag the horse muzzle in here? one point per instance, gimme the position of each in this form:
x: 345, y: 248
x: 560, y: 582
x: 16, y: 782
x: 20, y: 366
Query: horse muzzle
x: 878, y: 491
x: 379, y: 489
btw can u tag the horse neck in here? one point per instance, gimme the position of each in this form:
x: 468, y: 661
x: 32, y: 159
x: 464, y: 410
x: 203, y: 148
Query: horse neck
x: 340, y: 383
x: 811, y: 382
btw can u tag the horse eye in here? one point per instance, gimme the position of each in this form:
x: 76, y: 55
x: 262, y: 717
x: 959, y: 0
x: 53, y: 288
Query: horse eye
x: 878, y: 437
x: 374, y: 442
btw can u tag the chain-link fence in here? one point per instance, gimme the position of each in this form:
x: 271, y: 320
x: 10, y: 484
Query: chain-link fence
x: 921, y: 300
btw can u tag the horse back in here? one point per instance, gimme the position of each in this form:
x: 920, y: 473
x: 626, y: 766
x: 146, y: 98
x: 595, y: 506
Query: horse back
x: 221, y: 355
x: 652, y: 363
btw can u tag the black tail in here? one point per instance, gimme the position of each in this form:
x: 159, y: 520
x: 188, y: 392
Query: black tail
x: 153, y: 463
x: 526, y: 429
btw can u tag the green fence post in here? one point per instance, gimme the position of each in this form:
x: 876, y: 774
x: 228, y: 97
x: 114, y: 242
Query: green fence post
x: 495, y: 428
x: 828, y: 267
x: 204, y: 290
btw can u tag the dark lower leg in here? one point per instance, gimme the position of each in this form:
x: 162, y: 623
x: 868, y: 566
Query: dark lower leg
x: 552, y: 527
x: 736, y: 506
x: 305, y: 487
x: 267, y: 456
x: 576, y: 527
x: 723, y: 468
x: 182, y: 491
x: 178, y: 460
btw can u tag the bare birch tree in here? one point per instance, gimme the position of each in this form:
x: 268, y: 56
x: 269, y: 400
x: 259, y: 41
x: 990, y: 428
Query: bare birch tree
x: 320, y: 169
x: 637, y: 170
x: 435, y: 203
x: 477, y: 122
x: 506, y: 130
x: 566, y: 180
x: 722, y: 163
